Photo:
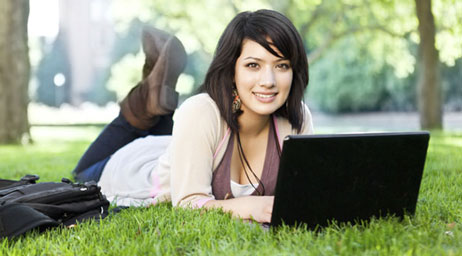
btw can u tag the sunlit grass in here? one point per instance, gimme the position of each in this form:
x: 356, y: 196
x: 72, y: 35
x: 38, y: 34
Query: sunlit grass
x: 53, y: 153
x: 434, y: 230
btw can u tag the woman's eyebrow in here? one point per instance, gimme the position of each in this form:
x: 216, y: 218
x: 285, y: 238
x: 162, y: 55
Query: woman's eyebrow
x: 258, y: 59
x: 254, y: 58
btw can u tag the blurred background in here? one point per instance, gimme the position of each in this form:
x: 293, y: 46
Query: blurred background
x: 374, y: 64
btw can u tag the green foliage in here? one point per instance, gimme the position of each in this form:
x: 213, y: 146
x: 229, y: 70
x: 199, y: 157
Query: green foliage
x: 343, y: 81
x: 189, y: 20
x: 448, y: 18
x: 383, y: 33
x: 362, y: 53
x: 349, y: 79
x: 125, y: 74
x: 162, y: 230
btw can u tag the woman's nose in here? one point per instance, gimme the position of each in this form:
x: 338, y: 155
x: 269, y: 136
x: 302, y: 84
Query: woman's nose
x: 267, y: 77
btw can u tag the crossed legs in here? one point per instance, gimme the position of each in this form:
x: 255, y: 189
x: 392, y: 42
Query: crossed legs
x: 148, y: 107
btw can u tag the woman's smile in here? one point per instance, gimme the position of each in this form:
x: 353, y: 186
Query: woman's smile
x: 265, y: 97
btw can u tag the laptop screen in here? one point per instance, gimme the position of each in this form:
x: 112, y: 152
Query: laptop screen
x: 348, y: 177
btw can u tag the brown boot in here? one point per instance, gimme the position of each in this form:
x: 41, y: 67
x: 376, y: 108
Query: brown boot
x: 155, y: 95
x: 152, y: 41
x: 163, y: 98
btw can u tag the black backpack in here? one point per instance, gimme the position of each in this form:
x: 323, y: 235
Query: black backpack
x: 27, y: 205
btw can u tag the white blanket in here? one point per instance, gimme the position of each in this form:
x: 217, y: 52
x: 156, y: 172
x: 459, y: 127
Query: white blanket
x: 130, y: 178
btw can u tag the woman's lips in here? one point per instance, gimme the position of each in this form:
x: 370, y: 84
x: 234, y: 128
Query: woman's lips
x: 265, y: 97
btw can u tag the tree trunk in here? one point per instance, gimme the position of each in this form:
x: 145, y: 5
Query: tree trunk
x: 14, y: 70
x: 428, y: 83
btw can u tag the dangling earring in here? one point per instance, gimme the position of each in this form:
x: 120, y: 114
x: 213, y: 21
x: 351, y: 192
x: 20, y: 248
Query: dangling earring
x: 236, y: 101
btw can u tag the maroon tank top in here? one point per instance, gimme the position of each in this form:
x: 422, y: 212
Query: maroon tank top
x: 221, y: 179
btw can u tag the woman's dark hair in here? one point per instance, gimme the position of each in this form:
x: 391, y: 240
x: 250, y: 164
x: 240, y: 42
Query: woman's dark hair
x: 258, y: 26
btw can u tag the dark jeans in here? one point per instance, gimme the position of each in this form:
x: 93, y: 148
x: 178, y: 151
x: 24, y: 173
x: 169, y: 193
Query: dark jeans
x: 114, y: 136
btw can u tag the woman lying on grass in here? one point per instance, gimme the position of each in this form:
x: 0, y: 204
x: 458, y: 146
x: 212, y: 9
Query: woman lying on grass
x: 226, y: 142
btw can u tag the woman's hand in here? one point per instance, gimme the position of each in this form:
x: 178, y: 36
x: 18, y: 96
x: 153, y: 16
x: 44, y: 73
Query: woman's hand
x: 258, y: 208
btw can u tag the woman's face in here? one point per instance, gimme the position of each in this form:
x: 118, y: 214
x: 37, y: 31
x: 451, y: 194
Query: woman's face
x: 262, y: 80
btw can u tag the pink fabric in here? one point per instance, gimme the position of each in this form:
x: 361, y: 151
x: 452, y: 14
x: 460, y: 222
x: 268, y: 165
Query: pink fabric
x: 277, y: 131
x: 155, y: 190
x: 201, y: 202
x: 221, y: 143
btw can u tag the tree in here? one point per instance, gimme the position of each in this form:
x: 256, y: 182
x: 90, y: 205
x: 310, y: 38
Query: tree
x: 392, y: 19
x: 428, y: 85
x: 382, y: 36
x: 14, y: 70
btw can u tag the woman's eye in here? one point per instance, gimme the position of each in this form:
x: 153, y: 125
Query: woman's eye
x: 283, y: 66
x: 252, y: 65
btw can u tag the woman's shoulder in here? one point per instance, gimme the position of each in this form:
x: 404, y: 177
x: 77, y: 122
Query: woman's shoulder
x: 200, y: 99
x: 199, y: 108
x: 307, y: 127
x: 201, y: 102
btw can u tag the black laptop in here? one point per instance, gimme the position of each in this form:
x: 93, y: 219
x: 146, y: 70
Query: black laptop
x: 348, y: 177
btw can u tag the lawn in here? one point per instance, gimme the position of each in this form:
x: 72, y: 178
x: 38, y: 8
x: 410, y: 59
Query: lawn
x: 434, y: 230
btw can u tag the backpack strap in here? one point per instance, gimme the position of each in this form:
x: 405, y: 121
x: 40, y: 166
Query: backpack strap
x: 28, y: 179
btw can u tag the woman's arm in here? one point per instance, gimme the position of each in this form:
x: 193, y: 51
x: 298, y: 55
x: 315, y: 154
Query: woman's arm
x: 258, y: 208
x: 195, y: 134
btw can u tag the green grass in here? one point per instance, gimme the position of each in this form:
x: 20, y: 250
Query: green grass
x: 434, y: 230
